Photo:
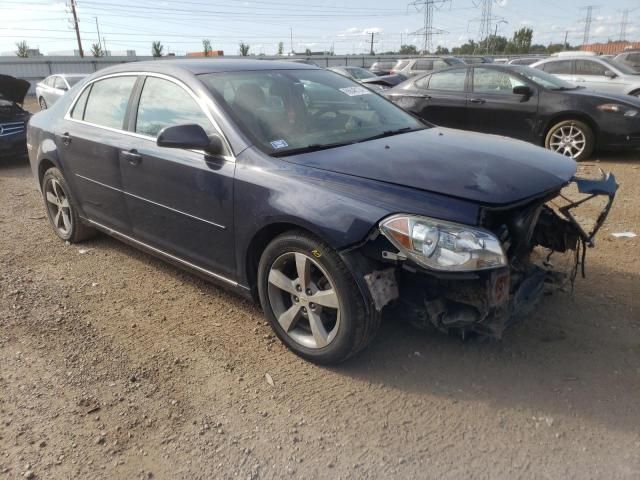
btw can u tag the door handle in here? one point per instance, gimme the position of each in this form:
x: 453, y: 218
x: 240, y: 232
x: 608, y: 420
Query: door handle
x: 477, y: 100
x: 421, y: 95
x: 131, y: 156
x: 66, y: 139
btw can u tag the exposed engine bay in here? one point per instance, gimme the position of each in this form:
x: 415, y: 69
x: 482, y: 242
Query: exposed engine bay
x: 486, y: 302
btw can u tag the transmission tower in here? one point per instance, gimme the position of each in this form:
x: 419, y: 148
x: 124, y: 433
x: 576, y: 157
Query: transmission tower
x: 485, y: 20
x: 623, y: 24
x: 427, y: 30
x: 587, y: 25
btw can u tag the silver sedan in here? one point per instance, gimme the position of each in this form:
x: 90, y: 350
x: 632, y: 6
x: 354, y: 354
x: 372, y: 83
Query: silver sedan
x: 49, y: 90
x: 593, y: 72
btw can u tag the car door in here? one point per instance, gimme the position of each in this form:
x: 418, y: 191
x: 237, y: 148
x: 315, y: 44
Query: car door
x: 179, y: 201
x: 89, y: 141
x: 439, y: 98
x: 492, y: 107
x: 591, y: 74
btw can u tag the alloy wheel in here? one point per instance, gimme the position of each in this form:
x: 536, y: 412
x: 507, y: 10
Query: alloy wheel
x: 59, y: 208
x: 568, y: 140
x: 304, y: 300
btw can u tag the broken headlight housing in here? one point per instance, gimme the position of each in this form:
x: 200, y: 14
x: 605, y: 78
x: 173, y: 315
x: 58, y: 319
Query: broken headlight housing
x: 439, y: 245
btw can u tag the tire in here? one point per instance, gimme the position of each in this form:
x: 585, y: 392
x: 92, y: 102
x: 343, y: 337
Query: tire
x: 561, y: 139
x: 43, y: 103
x: 343, y: 316
x: 62, y: 209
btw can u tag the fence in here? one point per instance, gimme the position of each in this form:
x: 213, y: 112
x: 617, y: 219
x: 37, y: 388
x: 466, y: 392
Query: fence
x: 35, y: 69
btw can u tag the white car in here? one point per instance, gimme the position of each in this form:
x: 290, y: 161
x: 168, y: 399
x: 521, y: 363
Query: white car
x: 49, y: 90
x: 593, y: 72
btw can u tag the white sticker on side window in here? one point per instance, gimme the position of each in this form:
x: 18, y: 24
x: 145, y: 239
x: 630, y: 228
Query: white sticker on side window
x: 279, y: 144
x: 355, y: 91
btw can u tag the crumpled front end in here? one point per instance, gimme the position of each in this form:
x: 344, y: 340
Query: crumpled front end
x: 532, y: 234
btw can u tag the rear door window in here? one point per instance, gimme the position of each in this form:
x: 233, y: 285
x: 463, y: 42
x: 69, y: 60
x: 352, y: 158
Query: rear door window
x: 78, y: 109
x: 562, y: 67
x: 426, y: 65
x: 163, y: 104
x: 108, y: 100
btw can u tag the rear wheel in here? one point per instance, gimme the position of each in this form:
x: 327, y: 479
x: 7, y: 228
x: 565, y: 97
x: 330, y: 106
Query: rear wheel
x: 43, y: 103
x: 62, y: 209
x: 571, y: 138
x: 311, y: 299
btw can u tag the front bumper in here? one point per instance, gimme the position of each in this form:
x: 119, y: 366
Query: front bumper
x: 488, y: 302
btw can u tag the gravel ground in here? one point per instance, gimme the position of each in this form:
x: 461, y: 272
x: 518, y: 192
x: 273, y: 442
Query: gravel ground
x: 116, y: 365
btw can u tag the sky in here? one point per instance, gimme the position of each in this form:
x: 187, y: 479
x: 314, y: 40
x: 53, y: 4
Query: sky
x: 345, y: 26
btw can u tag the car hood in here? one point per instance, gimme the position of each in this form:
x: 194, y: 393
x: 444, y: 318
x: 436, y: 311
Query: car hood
x: 607, y: 97
x: 487, y: 169
x: 13, y: 89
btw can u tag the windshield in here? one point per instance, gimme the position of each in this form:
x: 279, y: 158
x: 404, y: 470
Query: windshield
x: 619, y: 66
x: 73, y: 80
x: 543, y: 79
x: 359, y: 73
x: 284, y: 111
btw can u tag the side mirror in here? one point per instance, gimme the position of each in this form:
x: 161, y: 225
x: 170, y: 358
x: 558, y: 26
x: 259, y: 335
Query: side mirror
x: 190, y: 136
x: 522, y: 90
x: 609, y: 74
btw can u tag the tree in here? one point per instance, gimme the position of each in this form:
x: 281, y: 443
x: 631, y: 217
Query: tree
x: 307, y: 52
x: 156, y: 49
x: 440, y: 50
x: 280, y: 48
x: 244, y: 49
x: 96, y: 50
x: 206, y: 47
x: 468, y: 48
x: 522, y: 40
x: 23, y: 49
x: 408, y: 50
x: 493, y: 44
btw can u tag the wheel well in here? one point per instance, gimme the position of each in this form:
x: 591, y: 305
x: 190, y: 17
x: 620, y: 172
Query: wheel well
x: 571, y: 116
x: 635, y: 92
x: 259, y: 243
x: 45, y: 165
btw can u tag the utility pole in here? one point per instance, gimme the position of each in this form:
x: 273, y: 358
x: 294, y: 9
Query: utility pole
x: 371, y: 49
x: 104, y: 44
x: 291, y: 38
x: 76, y: 26
x: 427, y: 30
x: 98, y: 30
x: 623, y: 24
x: 565, y: 39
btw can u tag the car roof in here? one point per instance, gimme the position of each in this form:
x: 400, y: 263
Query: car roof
x: 214, y: 65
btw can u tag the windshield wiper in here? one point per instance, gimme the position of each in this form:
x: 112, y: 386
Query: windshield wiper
x: 314, y: 147
x: 389, y: 133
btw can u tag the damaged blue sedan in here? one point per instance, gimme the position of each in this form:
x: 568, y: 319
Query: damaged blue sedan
x: 305, y: 191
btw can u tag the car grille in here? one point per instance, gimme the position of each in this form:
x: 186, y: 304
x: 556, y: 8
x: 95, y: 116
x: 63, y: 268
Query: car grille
x: 12, y: 128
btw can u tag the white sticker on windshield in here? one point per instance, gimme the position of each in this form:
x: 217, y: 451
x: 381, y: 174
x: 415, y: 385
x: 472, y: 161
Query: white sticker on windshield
x: 355, y: 91
x: 279, y: 144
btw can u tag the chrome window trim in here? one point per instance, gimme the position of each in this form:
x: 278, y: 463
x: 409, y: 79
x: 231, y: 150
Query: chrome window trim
x: 231, y: 157
x: 116, y: 233
x: 222, y: 227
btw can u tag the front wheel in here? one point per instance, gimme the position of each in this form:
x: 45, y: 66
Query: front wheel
x: 571, y: 138
x: 311, y: 299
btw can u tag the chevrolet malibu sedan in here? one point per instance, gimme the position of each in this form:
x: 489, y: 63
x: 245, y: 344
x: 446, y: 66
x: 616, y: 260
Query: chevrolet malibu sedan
x: 524, y: 103
x: 303, y: 190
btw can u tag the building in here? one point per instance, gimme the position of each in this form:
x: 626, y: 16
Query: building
x: 610, y: 48
x: 213, y: 53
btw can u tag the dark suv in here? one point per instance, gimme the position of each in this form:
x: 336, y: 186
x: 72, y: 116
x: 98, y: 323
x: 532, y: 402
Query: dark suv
x: 302, y: 189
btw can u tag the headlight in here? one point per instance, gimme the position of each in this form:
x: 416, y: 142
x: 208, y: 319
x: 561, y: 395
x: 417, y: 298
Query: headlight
x: 617, y: 108
x: 440, y: 245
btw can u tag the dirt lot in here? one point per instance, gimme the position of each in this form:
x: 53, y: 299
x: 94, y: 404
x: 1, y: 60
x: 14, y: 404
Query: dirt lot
x: 115, y: 365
